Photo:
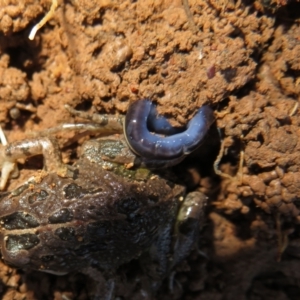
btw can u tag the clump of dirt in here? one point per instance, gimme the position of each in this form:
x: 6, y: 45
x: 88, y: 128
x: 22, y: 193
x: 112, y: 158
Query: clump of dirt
x: 242, y: 58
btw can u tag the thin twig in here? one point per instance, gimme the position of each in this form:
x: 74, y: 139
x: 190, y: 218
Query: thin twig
x: 46, y: 18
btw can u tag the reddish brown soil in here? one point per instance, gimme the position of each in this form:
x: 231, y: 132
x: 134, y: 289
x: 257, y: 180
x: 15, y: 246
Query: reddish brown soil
x: 241, y: 58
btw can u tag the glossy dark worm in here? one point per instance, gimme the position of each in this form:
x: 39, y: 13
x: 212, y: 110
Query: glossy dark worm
x: 143, y: 129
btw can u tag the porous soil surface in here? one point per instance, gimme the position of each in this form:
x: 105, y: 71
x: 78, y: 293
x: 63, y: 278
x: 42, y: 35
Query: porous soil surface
x: 240, y: 57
